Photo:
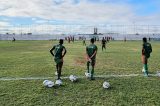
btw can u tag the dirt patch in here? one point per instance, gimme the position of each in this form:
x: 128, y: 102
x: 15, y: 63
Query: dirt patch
x: 135, y: 50
x: 80, y: 61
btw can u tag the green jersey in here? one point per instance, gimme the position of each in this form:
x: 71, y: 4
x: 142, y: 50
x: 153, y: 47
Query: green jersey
x: 104, y: 42
x: 147, y: 49
x: 58, y: 51
x: 90, y: 50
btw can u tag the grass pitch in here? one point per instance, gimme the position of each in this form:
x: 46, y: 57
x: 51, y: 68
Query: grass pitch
x: 23, y: 59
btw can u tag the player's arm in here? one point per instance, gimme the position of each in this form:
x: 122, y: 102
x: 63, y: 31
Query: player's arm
x: 65, y: 51
x: 143, y: 50
x: 95, y: 52
x: 51, y: 51
x: 88, y: 58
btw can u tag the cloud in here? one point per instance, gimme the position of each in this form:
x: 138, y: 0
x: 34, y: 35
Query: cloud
x: 3, y: 23
x: 76, y: 11
x: 67, y: 10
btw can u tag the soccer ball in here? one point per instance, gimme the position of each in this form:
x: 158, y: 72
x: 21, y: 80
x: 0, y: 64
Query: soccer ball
x: 87, y: 74
x: 73, y: 78
x: 58, y: 82
x: 158, y: 73
x: 48, y: 83
x: 45, y: 82
x: 106, y: 85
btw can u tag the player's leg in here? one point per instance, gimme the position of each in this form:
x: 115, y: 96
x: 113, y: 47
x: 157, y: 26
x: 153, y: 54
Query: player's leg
x: 145, y: 67
x: 92, y: 71
x: 88, y: 63
x: 56, y: 61
x: 57, y: 67
x: 102, y: 47
x: 60, y: 69
x: 56, y: 73
x: 105, y: 47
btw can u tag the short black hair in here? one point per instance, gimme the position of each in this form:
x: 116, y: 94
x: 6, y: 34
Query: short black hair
x: 61, y: 41
x: 92, y: 40
x: 144, y: 39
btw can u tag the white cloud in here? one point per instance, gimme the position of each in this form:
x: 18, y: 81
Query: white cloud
x: 41, y: 21
x: 4, y: 24
x: 66, y: 10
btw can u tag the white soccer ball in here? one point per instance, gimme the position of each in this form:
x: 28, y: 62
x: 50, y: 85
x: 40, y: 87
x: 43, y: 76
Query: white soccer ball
x: 73, y: 78
x: 158, y: 73
x: 106, y: 85
x: 45, y: 82
x: 48, y: 83
x: 58, y: 82
x: 87, y: 74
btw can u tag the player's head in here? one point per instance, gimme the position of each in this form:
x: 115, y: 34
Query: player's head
x: 144, y: 39
x: 61, y: 41
x: 92, y: 40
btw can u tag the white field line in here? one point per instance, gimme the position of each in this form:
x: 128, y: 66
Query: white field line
x: 43, y: 78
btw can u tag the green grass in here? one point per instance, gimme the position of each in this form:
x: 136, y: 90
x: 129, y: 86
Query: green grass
x: 32, y: 59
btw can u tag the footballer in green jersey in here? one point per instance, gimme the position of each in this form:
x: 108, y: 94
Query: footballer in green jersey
x: 59, y: 53
x: 146, y: 50
x: 104, y: 44
x: 91, y: 52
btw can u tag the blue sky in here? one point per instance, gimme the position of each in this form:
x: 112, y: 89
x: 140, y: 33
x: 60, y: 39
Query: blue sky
x: 30, y: 12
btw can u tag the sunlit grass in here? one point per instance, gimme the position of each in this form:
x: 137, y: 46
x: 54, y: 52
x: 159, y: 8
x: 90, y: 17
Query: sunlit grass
x: 32, y: 59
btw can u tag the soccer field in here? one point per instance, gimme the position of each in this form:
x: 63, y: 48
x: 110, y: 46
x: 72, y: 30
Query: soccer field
x: 31, y: 59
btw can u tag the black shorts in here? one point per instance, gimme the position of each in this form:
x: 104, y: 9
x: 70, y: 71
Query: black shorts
x: 58, y: 61
x: 103, y: 46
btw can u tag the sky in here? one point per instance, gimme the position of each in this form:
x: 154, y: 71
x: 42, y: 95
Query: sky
x: 79, y: 12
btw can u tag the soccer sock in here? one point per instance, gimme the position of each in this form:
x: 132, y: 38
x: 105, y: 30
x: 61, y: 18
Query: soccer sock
x: 88, y: 67
x: 59, y: 74
x: 146, y: 68
x: 92, y: 72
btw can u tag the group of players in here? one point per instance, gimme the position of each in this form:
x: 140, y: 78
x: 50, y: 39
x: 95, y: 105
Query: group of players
x: 91, y: 51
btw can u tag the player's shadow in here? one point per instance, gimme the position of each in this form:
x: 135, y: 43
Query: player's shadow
x: 152, y: 73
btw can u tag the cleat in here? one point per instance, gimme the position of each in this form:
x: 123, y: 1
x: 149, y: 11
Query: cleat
x: 58, y: 82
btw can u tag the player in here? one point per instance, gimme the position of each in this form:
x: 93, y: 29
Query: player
x: 91, y: 52
x: 13, y: 40
x: 59, y: 53
x: 146, y: 50
x: 125, y: 39
x: 103, y: 44
x: 84, y: 41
